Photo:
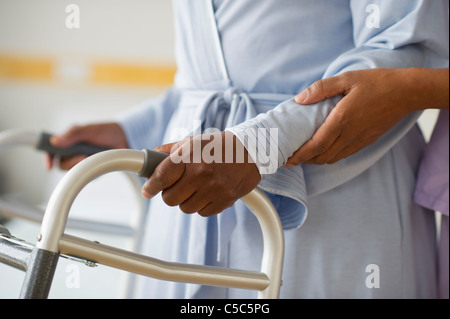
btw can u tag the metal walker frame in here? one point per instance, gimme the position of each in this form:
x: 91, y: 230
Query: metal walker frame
x: 39, y: 262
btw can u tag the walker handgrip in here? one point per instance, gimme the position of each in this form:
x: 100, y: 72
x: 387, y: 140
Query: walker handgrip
x: 44, y: 144
x: 152, y: 160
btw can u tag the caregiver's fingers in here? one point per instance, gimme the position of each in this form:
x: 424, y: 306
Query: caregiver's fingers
x: 352, y: 148
x: 322, y: 140
x: 325, y: 88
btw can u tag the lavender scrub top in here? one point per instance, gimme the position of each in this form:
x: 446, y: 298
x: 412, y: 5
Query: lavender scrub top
x: 432, y: 190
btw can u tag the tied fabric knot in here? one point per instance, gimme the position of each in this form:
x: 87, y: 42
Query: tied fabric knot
x: 230, y: 94
x: 226, y: 109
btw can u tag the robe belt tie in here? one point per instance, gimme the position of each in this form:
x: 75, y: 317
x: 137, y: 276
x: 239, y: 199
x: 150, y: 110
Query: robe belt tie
x: 223, y: 109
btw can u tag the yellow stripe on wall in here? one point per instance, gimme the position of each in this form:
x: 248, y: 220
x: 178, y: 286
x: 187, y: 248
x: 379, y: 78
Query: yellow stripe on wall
x: 26, y: 68
x: 132, y: 74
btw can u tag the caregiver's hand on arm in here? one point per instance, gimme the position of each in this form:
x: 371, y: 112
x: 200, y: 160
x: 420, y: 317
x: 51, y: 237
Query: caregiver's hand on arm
x: 197, y: 183
x: 109, y: 135
x: 374, y: 101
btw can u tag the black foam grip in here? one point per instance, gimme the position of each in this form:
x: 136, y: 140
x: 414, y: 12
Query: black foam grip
x: 74, y: 150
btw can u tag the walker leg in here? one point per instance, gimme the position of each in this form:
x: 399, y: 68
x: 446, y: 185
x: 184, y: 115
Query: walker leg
x: 39, y: 276
x: 14, y: 255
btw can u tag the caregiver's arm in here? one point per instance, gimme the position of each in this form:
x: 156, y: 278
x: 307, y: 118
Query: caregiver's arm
x: 411, y: 34
x: 375, y: 101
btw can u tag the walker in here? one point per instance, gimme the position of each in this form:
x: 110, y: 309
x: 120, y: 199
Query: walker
x: 12, y: 208
x: 39, y: 261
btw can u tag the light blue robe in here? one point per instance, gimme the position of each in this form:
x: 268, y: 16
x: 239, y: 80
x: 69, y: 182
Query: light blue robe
x: 238, y: 59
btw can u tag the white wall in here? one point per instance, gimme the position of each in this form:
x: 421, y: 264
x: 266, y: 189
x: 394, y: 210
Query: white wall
x: 136, y: 30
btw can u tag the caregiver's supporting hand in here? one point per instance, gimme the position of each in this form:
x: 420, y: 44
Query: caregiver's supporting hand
x: 203, y: 174
x: 374, y: 101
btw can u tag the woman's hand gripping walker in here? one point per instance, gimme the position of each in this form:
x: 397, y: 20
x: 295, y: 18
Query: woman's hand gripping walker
x: 52, y: 240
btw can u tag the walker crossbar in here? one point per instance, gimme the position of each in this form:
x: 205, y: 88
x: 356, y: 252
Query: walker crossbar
x: 52, y: 240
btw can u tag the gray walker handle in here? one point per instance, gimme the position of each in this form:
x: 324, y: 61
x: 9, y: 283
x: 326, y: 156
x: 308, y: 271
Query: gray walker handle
x: 41, y: 141
x: 52, y: 241
x: 77, y: 149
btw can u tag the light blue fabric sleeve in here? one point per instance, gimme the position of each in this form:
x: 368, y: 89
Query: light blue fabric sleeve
x: 410, y: 34
x: 145, y: 124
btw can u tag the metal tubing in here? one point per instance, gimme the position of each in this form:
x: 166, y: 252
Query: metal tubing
x: 39, y: 276
x: 55, y: 217
x: 18, y: 137
x: 273, y: 238
x: 13, y: 254
x: 151, y: 267
x: 52, y: 236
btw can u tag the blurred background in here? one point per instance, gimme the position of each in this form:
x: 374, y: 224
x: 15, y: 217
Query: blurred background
x: 54, y: 74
